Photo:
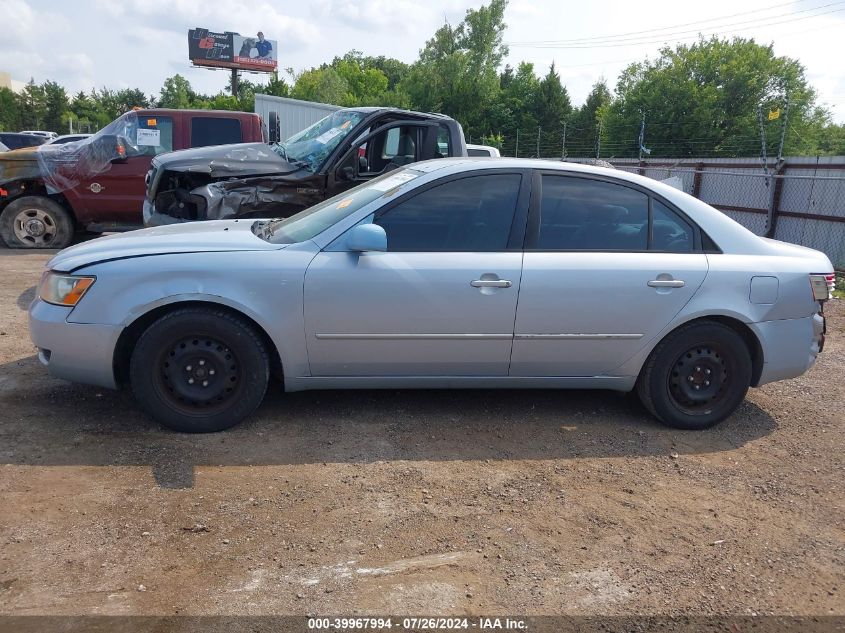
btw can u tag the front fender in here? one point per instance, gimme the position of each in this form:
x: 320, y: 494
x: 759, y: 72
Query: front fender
x: 267, y: 287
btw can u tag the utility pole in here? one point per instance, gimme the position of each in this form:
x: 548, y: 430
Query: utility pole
x: 563, y: 144
x: 538, y: 141
x: 516, y: 148
x: 598, y: 140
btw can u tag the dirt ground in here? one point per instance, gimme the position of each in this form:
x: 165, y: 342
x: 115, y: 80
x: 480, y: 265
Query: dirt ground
x: 405, y: 502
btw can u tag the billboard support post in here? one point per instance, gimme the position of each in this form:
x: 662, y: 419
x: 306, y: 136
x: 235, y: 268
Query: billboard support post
x: 235, y: 83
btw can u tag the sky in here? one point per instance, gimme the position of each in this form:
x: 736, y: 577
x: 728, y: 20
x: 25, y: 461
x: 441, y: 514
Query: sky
x: 138, y: 43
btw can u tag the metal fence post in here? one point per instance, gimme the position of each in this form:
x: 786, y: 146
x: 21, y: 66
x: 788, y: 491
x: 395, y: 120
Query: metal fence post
x: 696, y: 180
x: 774, y: 205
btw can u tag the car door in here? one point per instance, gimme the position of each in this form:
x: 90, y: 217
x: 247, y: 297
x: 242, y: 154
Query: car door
x: 387, y: 146
x: 116, y: 195
x: 440, y: 301
x: 607, y: 266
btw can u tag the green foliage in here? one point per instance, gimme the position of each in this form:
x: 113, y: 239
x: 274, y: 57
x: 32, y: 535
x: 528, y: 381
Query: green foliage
x: 9, y: 111
x: 176, y: 93
x: 705, y: 96
x: 700, y: 99
x: 457, y: 72
x: 323, y: 85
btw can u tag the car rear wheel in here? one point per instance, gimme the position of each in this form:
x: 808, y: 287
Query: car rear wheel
x: 697, y: 376
x: 35, y: 222
x: 199, y: 370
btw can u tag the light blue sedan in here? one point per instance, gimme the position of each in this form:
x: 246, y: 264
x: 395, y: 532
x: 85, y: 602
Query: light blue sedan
x: 449, y: 273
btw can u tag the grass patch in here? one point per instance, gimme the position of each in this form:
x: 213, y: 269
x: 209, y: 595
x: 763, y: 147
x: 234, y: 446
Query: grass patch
x: 839, y: 293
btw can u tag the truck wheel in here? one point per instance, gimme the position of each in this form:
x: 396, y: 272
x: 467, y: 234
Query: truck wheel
x: 199, y: 370
x: 696, y: 377
x: 35, y: 222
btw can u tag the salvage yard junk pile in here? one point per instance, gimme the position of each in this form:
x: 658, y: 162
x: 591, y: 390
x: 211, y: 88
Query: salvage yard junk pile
x: 50, y: 192
x: 412, y: 279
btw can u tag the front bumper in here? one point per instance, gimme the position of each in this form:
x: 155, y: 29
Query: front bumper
x: 79, y: 352
x: 790, y: 346
x: 154, y: 218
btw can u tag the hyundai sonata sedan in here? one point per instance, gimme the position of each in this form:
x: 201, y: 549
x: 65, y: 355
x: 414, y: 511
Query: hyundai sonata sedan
x: 448, y: 273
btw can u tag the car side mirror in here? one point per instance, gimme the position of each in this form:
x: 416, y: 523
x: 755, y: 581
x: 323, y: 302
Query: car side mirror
x: 367, y: 237
x: 347, y: 173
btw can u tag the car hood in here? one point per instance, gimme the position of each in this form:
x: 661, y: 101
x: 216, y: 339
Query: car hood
x: 18, y: 163
x: 193, y: 237
x: 240, y: 159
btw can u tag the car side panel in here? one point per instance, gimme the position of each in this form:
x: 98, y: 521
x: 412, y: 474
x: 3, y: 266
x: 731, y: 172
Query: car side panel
x: 727, y: 292
x: 265, y: 286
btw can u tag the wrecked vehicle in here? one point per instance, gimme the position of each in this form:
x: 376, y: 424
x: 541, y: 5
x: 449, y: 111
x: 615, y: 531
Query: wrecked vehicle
x: 49, y: 192
x: 348, y: 147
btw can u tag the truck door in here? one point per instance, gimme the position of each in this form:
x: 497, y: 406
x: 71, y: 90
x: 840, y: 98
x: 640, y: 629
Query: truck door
x: 115, y: 197
x: 385, y: 148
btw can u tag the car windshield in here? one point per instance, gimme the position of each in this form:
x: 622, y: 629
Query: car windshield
x: 309, y: 223
x: 310, y: 147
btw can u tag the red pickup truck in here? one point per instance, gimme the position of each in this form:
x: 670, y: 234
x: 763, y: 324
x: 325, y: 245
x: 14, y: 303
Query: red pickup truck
x: 50, y: 192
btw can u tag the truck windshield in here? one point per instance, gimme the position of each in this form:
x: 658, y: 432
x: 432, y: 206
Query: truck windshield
x: 310, y: 147
x: 309, y: 223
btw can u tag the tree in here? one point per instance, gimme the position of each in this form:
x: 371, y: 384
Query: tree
x: 176, y: 93
x: 457, y: 72
x: 33, y: 106
x: 553, y: 106
x: 582, y: 128
x: 276, y: 86
x: 56, y: 103
x: 323, y: 85
x: 704, y: 98
x: 10, y: 116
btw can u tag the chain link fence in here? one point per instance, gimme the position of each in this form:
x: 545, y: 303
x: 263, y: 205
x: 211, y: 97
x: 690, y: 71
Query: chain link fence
x: 799, y: 200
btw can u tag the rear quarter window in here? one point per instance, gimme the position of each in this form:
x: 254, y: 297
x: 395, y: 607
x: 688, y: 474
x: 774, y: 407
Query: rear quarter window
x: 207, y: 131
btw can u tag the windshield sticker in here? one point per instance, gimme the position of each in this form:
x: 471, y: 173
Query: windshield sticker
x: 393, y: 181
x: 151, y: 123
x: 149, y: 137
x: 344, y: 203
x: 325, y: 137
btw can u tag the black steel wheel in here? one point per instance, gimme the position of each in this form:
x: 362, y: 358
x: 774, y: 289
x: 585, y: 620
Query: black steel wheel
x: 199, y: 370
x: 697, y: 376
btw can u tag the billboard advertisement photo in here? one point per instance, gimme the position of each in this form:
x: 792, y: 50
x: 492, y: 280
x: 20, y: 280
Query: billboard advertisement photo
x: 232, y: 50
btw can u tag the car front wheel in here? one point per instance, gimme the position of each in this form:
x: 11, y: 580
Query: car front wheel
x: 697, y: 376
x: 199, y: 370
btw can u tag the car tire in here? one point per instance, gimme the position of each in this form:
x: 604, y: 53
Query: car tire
x: 36, y: 222
x: 199, y: 370
x: 697, y: 376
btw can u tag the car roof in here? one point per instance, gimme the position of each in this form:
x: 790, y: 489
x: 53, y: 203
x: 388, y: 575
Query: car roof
x: 373, y: 109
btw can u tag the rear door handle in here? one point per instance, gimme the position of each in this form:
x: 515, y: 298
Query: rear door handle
x: 666, y: 283
x: 490, y: 283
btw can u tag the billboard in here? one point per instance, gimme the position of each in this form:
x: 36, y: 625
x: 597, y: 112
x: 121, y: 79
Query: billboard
x: 232, y: 50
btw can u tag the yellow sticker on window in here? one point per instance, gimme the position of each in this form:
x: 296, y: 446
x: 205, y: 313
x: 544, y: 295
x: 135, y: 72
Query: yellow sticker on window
x: 151, y: 122
x: 344, y: 203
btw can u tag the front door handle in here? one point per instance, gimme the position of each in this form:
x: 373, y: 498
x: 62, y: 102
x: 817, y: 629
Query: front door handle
x: 490, y: 283
x: 666, y: 283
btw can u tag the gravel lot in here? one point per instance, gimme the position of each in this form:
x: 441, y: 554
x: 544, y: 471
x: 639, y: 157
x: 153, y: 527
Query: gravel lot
x: 435, y: 502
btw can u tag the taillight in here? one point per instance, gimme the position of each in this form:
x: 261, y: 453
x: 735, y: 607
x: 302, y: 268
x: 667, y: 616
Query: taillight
x: 822, y: 285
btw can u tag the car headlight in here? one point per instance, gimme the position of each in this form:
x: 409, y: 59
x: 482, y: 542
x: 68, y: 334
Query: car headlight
x: 62, y: 289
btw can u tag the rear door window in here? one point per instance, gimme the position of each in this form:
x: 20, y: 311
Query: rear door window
x: 207, y: 131
x: 584, y: 214
x: 670, y: 232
